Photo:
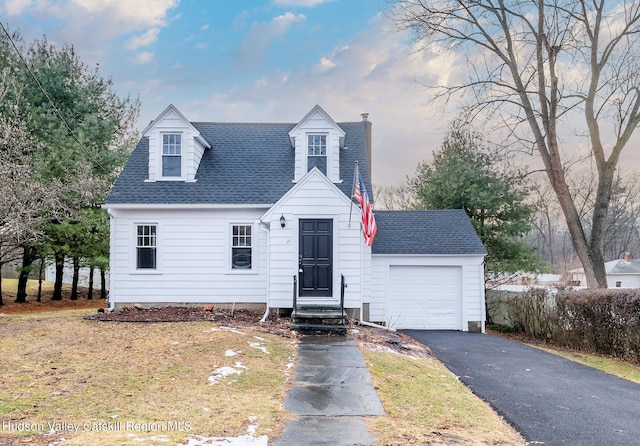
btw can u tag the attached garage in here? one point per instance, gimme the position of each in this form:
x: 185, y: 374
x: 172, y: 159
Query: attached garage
x: 427, y: 271
x: 425, y: 297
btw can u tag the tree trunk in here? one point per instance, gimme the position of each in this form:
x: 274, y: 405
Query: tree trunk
x: 1, y: 302
x: 76, y: 276
x: 28, y: 256
x: 57, y: 286
x: 90, y: 292
x: 40, y: 279
x: 103, y: 284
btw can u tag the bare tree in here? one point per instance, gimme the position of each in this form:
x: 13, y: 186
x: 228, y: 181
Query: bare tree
x: 393, y: 197
x: 557, y: 75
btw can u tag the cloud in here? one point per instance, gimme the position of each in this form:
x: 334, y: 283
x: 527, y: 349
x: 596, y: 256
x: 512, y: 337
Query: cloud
x: 143, y: 58
x: 253, y: 47
x: 144, y: 39
x: 377, y: 73
x: 130, y: 13
x: 204, y: 27
x: 15, y: 7
x: 300, y: 3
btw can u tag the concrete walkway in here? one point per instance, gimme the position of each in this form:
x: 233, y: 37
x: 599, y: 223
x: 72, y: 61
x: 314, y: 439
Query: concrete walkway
x: 331, y: 391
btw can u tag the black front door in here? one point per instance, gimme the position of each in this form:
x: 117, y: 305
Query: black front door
x: 316, y: 258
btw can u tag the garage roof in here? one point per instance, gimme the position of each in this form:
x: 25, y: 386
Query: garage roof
x: 426, y: 232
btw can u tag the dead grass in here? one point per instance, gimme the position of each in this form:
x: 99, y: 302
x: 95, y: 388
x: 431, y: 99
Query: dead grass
x: 613, y: 366
x: 9, y: 287
x: 140, y: 383
x: 427, y: 405
x: 62, y: 369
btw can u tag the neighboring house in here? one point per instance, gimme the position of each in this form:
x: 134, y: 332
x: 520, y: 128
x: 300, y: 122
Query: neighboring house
x: 67, y: 275
x: 235, y: 213
x: 621, y: 273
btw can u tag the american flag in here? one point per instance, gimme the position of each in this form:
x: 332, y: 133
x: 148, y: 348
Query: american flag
x: 369, y: 227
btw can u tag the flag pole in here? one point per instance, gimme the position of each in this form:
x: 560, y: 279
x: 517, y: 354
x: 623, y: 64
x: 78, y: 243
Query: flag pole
x: 353, y: 190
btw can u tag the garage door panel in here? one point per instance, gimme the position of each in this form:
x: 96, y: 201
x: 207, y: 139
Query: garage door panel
x: 425, y: 297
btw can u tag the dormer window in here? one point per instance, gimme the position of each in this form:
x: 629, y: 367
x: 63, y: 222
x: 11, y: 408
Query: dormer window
x: 317, y: 152
x: 171, y: 155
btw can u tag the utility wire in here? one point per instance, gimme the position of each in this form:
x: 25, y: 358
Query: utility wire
x: 66, y: 124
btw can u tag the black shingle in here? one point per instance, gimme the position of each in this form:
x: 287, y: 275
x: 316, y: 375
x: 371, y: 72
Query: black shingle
x: 249, y: 163
x: 426, y: 232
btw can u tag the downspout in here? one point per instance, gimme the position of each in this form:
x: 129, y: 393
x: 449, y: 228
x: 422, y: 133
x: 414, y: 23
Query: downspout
x: 112, y: 250
x: 265, y: 227
x: 371, y: 324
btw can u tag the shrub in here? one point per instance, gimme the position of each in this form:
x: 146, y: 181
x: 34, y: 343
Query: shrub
x: 605, y: 321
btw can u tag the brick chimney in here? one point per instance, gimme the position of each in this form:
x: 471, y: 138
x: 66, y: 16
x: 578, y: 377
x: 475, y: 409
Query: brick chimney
x: 367, y: 134
x: 627, y: 257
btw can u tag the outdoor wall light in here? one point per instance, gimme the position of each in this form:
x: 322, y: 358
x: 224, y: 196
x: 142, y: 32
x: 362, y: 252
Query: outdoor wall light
x: 282, y: 221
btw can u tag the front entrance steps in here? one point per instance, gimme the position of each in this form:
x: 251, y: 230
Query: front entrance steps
x: 319, y: 319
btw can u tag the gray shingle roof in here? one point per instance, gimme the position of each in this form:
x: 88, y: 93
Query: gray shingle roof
x: 426, y: 232
x: 621, y: 267
x: 250, y: 163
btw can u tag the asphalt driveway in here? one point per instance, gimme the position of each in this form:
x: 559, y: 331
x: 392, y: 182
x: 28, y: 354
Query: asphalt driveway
x: 548, y: 399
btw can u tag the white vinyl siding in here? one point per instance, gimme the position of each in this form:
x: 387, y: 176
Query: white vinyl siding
x: 193, y: 258
x: 387, y: 268
x: 314, y: 197
x: 190, y: 154
x: 317, y: 124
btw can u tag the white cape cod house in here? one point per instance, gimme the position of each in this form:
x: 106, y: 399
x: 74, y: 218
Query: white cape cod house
x: 251, y: 214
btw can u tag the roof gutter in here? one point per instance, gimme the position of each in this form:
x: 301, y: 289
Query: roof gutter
x: 186, y: 206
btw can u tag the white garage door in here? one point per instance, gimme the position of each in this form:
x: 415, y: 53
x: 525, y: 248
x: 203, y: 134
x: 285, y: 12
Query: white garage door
x: 425, y: 297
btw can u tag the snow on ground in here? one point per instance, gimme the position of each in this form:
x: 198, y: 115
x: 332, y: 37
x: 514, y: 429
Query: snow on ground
x: 223, y: 372
x: 243, y: 440
x: 230, y: 352
x: 231, y: 329
x: 259, y: 347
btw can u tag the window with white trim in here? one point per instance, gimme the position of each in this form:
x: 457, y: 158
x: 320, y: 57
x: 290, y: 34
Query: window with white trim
x: 317, y: 152
x: 171, y: 155
x: 241, y: 247
x: 146, y: 247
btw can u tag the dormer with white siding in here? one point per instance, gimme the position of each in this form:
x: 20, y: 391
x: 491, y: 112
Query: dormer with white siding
x: 175, y: 147
x: 317, y: 141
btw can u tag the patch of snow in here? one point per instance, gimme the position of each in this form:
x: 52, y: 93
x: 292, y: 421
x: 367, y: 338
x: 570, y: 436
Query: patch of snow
x: 222, y: 372
x: 230, y: 352
x: 253, y: 426
x: 259, y: 347
x: 155, y: 438
x: 240, y: 366
x: 206, y: 409
x: 242, y: 440
x: 231, y: 329
x: 259, y: 338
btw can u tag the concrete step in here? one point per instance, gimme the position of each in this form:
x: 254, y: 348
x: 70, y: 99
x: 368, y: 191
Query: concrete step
x: 319, y: 329
x: 324, y: 313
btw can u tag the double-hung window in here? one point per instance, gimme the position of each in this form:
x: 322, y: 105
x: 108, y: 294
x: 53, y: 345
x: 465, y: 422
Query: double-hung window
x: 241, y: 247
x: 171, y: 155
x: 146, y: 247
x: 317, y: 152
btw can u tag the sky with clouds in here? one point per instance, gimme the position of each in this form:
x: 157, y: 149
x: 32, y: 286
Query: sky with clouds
x: 257, y: 61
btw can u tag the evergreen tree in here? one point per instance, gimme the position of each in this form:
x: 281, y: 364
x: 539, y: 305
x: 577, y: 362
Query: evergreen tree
x: 466, y: 174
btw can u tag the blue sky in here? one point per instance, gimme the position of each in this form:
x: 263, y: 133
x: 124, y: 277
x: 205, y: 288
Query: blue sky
x: 257, y: 60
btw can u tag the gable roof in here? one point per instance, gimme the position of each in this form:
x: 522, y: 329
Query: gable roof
x: 250, y: 163
x: 426, y: 232
x: 317, y: 110
x: 620, y: 266
x: 172, y: 109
